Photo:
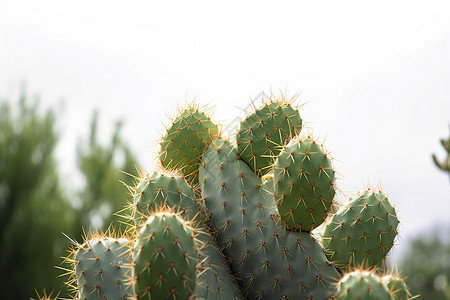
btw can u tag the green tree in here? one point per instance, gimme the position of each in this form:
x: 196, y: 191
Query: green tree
x: 104, y: 167
x: 33, y: 208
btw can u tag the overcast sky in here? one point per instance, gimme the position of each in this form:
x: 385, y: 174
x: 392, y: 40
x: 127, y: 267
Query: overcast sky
x: 375, y: 78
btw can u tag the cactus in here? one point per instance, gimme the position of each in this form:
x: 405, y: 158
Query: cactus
x: 100, y: 268
x: 171, y: 191
x: 261, y: 135
x: 165, y: 258
x: 397, y: 287
x: 304, y: 184
x: 362, y: 285
x: 185, y: 140
x: 445, y: 164
x: 162, y: 190
x: 271, y: 260
x: 220, y: 213
x: 362, y: 232
x: 214, y: 282
x: 265, y: 243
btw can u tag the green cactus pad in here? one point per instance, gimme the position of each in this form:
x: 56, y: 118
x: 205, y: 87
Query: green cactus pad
x: 165, y: 257
x: 362, y: 285
x: 100, y: 269
x: 163, y: 190
x: 362, y: 231
x: 271, y: 261
x: 397, y: 287
x: 261, y: 135
x: 304, y: 184
x: 185, y: 140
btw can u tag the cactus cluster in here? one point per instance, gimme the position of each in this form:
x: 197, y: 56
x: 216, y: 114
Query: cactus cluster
x: 257, y: 219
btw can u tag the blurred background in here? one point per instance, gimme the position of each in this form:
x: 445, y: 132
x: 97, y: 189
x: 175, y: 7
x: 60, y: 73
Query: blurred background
x: 87, y: 86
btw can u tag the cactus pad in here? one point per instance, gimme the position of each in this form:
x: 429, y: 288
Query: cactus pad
x: 397, y: 287
x: 163, y: 190
x: 185, y: 140
x: 362, y: 285
x: 262, y: 134
x: 165, y: 257
x: 100, y: 269
x: 362, y: 231
x: 304, y: 184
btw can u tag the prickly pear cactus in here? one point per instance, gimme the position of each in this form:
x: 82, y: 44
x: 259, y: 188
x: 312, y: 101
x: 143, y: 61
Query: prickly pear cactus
x: 262, y: 134
x: 220, y: 213
x: 168, y: 190
x: 362, y: 232
x: 214, y: 281
x: 165, y: 258
x: 100, y: 269
x: 185, y: 140
x: 397, y: 287
x: 263, y: 227
x: 304, y: 184
x: 270, y: 260
x: 445, y: 164
x: 362, y: 285
x: 163, y: 190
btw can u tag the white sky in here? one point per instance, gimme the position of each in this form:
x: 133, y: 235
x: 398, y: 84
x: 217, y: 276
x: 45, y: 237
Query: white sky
x: 376, y: 77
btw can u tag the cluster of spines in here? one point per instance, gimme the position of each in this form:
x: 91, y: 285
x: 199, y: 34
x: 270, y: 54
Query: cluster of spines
x: 46, y: 296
